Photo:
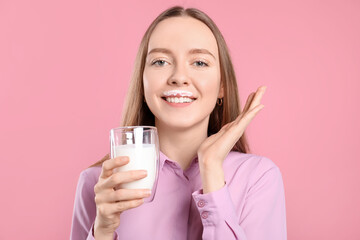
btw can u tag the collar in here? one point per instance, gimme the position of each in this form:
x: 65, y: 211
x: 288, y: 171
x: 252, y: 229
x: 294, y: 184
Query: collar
x: 164, y: 158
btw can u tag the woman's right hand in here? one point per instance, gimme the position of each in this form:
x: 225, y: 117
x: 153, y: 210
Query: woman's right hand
x: 110, y: 202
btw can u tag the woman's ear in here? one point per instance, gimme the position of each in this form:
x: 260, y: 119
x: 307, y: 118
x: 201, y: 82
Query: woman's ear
x: 221, y: 90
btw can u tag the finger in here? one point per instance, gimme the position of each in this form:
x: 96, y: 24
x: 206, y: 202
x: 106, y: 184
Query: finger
x: 246, y: 107
x: 125, y: 205
x: 232, y: 135
x: 129, y: 194
x: 122, y: 195
x: 257, y: 98
x: 109, y: 165
x: 124, y: 177
x: 248, y: 117
x: 248, y: 102
x: 115, y: 208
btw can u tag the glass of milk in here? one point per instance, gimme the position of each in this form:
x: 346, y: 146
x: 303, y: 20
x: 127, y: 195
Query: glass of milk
x: 141, y: 145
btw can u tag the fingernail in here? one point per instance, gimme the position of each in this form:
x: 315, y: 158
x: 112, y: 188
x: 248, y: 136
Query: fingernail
x: 143, y: 172
x: 147, y: 192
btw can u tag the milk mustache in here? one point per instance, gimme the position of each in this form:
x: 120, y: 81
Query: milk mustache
x: 142, y: 157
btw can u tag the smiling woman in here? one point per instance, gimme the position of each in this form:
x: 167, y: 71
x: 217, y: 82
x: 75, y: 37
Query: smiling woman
x: 210, y: 186
x: 189, y: 52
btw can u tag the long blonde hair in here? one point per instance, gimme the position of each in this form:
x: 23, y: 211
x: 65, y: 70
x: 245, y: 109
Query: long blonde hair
x: 136, y: 112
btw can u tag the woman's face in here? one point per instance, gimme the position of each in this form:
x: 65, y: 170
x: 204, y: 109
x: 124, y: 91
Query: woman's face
x: 182, y: 73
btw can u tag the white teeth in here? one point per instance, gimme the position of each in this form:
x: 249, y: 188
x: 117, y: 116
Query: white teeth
x: 182, y: 93
x: 179, y: 99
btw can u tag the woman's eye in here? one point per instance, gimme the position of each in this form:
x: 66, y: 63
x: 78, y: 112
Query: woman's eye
x: 159, y: 62
x: 201, y: 64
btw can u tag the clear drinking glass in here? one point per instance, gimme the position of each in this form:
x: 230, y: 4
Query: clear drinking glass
x: 141, y: 145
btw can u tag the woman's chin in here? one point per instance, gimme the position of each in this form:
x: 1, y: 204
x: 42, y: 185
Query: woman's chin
x: 181, y: 124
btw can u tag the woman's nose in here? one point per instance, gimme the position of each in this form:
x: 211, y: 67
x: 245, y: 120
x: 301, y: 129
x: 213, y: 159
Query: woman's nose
x: 179, y: 76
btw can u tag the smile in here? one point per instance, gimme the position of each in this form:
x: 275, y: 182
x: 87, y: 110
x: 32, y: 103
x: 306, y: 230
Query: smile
x: 178, y: 99
x: 178, y: 102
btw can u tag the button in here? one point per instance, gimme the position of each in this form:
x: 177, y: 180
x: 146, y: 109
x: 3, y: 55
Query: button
x: 204, y: 215
x: 201, y: 203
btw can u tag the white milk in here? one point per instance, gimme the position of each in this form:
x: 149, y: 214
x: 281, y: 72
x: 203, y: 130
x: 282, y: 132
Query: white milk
x: 142, y: 157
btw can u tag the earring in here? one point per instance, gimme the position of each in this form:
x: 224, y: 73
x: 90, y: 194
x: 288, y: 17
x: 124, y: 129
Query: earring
x: 219, y: 101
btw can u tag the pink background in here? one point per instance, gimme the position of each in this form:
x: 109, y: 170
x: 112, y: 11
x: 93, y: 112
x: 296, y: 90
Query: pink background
x: 65, y: 67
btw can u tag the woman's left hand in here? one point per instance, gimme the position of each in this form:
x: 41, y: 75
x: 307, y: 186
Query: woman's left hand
x: 215, y: 148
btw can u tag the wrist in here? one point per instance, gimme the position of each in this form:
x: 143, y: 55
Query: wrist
x: 100, y: 233
x: 209, y: 164
x: 212, y: 176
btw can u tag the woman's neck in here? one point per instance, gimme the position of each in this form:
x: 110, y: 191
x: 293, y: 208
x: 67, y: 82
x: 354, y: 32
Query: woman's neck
x: 181, y: 145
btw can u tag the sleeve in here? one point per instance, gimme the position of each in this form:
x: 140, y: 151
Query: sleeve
x: 263, y: 215
x: 84, y: 209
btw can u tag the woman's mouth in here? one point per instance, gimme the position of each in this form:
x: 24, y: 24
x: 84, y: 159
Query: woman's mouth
x: 178, y: 99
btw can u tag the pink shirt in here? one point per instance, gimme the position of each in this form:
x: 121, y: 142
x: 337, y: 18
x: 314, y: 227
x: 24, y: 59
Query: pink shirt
x: 251, y: 205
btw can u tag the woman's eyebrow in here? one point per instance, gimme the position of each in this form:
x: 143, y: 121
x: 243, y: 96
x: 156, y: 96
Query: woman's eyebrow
x: 192, y: 51
x: 202, y: 51
x: 159, y: 50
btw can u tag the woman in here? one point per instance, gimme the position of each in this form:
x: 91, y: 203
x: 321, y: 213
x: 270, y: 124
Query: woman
x: 209, y: 186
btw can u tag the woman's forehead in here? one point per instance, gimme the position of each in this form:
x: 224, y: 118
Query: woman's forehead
x: 181, y: 34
